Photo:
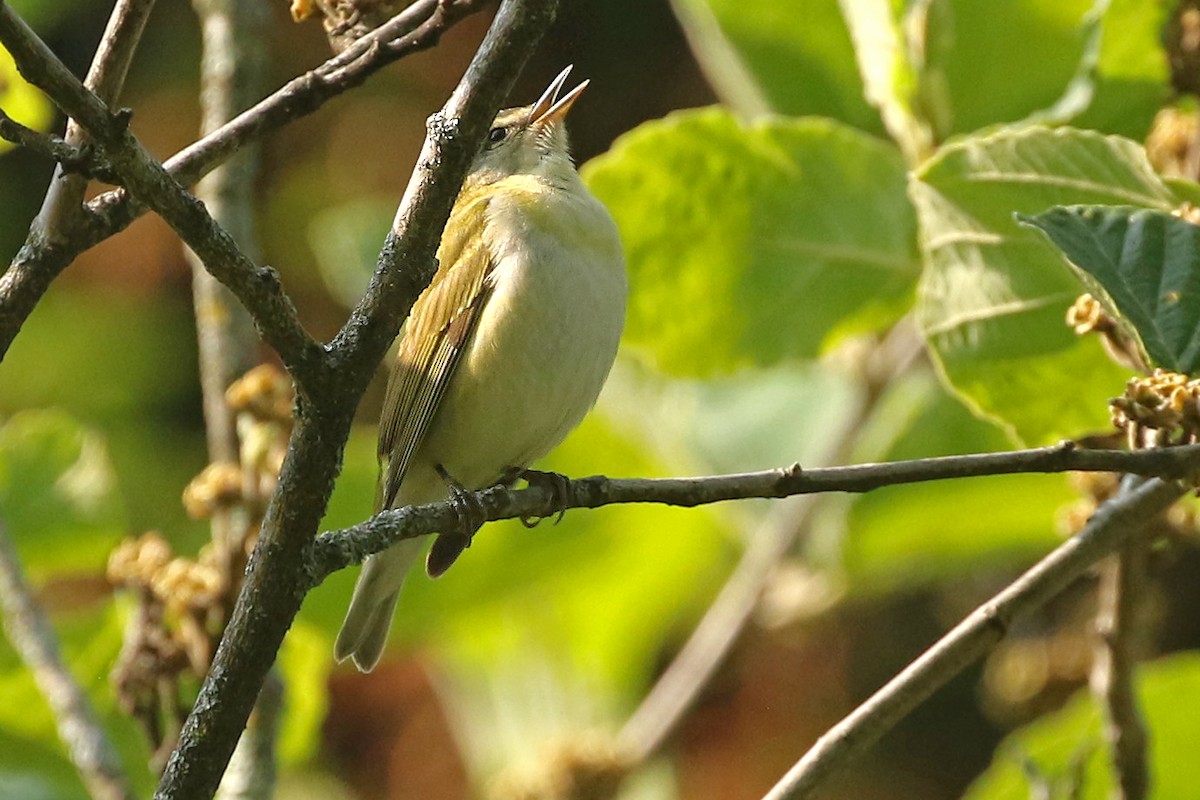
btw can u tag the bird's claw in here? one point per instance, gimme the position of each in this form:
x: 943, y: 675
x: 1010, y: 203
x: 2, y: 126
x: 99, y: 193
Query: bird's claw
x: 557, y: 484
x: 447, y: 547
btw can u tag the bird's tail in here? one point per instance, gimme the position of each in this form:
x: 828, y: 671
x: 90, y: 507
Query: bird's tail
x: 369, y: 617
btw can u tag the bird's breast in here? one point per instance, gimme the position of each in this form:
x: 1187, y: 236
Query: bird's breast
x: 545, y: 339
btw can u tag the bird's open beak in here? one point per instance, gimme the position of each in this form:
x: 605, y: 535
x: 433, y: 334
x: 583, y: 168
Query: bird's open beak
x: 552, y: 108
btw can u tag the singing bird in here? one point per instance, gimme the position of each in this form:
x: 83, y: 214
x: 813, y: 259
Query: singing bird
x: 504, y: 353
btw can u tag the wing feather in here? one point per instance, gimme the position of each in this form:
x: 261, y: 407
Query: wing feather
x: 435, y: 335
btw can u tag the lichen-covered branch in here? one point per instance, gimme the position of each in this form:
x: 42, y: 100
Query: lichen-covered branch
x: 258, y: 288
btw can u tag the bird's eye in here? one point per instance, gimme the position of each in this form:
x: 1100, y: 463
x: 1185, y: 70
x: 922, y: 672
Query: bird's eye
x: 497, y: 134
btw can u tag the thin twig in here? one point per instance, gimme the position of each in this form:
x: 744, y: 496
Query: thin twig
x: 71, y: 158
x: 251, y: 771
x: 233, y: 67
x: 61, y: 208
x: 33, y: 637
x: 1111, y: 526
x: 1122, y: 636
x: 258, y: 288
x: 336, y: 550
x: 788, y: 523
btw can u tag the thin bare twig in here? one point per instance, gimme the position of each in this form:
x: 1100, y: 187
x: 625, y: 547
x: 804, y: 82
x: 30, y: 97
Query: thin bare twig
x: 232, y: 69
x: 33, y: 637
x: 61, y: 227
x: 1122, y: 637
x: 232, y: 72
x: 71, y: 158
x: 61, y: 207
x: 1111, y: 526
x: 338, y: 549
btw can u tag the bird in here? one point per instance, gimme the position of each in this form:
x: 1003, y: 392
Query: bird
x: 503, y: 354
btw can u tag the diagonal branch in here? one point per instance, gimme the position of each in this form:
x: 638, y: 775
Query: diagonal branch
x: 406, y: 264
x: 33, y: 638
x: 62, y: 227
x: 1113, y: 525
x: 258, y: 288
x: 338, y: 549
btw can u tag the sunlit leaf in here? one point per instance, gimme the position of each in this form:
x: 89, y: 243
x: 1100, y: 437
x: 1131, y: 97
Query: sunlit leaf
x: 304, y: 661
x: 761, y: 55
x: 346, y: 240
x: 752, y: 245
x: 891, y: 79
x: 993, y: 295
x: 1147, y: 262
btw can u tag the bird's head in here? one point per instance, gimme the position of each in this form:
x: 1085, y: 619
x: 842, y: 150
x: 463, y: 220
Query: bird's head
x: 530, y: 140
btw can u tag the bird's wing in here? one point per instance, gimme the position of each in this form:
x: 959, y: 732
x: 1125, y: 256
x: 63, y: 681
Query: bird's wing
x: 435, y: 335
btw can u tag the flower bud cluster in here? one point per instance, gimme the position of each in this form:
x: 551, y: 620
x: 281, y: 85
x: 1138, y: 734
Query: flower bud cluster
x: 1161, y: 409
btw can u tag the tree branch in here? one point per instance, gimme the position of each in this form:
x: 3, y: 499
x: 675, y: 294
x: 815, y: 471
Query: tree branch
x: 406, y: 264
x: 1111, y: 526
x: 62, y: 206
x: 1122, y: 637
x: 338, y: 549
x: 232, y: 71
x: 41, y: 260
x: 32, y: 636
x: 62, y: 227
x: 258, y: 288
x: 71, y: 158
x: 672, y: 695
x: 278, y: 575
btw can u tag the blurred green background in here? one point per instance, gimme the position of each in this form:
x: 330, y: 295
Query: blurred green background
x: 773, y: 239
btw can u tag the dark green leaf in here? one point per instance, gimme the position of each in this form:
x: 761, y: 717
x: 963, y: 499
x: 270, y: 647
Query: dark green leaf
x: 1147, y: 262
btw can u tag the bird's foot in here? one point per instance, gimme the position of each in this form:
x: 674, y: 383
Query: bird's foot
x: 447, y: 547
x: 557, y: 483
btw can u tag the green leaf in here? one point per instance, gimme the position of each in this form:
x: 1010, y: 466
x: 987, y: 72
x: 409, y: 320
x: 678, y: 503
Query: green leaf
x: 58, y: 494
x: 1147, y: 263
x: 753, y: 245
x: 1129, y: 81
x: 993, y: 294
x: 1169, y: 693
x: 760, y: 55
x: 891, y: 79
x: 1002, y: 61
